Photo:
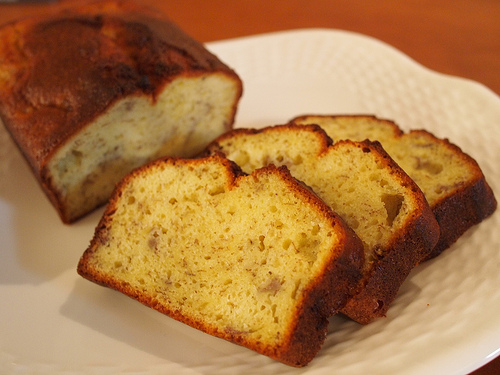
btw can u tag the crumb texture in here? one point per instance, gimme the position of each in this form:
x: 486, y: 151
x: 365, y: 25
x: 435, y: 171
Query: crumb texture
x: 361, y: 183
x: 437, y: 169
x: 352, y: 178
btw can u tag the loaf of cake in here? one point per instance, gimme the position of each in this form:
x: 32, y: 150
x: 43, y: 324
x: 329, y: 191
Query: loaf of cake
x: 92, y: 92
x: 451, y: 180
x: 258, y: 260
x: 360, y: 182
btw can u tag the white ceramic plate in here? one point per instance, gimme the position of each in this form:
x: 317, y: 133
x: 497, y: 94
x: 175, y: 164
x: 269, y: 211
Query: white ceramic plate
x: 445, y: 320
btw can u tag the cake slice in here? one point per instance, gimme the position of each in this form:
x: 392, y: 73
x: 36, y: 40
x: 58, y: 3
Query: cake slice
x: 91, y: 92
x: 451, y: 180
x: 256, y: 259
x: 360, y: 182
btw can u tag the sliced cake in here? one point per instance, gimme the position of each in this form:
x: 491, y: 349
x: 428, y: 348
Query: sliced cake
x: 360, y: 182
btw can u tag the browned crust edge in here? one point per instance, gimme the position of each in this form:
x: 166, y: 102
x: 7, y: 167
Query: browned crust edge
x: 469, y: 205
x: 323, y: 298
x: 459, y: 212
x: 409, y: 247
x: 214, y: 146
x: 383, y: 281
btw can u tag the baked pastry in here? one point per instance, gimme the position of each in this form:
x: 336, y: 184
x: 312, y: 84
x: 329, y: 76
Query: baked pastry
x: 451, y: 180
x: 258, y: 260
x: 364, y: 186
x: 92, y: 92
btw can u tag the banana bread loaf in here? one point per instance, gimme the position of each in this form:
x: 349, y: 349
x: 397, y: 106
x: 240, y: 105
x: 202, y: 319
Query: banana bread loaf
x: 258, y: 260
x: 451, y: 180
x: 364, y: 186
x: 92, y: 92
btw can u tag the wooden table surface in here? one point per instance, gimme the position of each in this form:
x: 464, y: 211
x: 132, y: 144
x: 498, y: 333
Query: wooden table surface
x: 460, y: 38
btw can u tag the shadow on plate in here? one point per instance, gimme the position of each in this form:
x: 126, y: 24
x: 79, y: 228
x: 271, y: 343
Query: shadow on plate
x: 142, y: 329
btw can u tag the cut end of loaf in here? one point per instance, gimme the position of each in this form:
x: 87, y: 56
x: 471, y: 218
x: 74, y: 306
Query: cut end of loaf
x: 180, y: 122
x: 93, y: 91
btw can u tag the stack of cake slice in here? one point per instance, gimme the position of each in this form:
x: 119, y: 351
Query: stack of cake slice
x: 272, y: 231
x: 378, y: 200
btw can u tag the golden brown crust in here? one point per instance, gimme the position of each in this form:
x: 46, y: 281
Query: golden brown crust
x: 324, y: 297
x: 214, y: 146
x: 456, y: 213
x: 381, y: 282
